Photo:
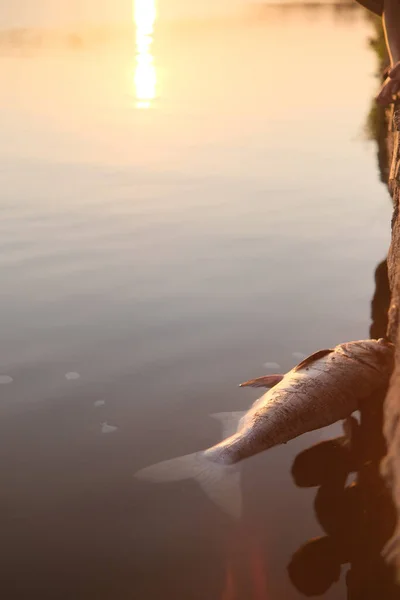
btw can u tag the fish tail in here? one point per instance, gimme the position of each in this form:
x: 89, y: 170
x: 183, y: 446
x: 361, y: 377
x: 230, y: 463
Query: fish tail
x: 221, y: 483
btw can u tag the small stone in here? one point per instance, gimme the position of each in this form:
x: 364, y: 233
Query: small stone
x: 99, y: 403
x: 72, y: 376
x: 4, y: 379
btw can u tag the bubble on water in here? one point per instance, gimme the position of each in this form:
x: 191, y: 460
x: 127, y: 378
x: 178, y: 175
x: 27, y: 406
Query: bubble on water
x: 72, y: 375
x: 106, y: 428
x: 99, y: 403
x: 299, y: 355
x: 271, y: 365
x: 5, y: 379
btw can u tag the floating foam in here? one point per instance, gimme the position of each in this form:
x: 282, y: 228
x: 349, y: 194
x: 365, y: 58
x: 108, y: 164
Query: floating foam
x: 5, y: 379
x: 271, y: 365
x: 299, y: 355
x: 106, y: 428
x: 72, y: 375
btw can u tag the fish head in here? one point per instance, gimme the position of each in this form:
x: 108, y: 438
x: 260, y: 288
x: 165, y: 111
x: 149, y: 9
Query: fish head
x: 381, y: 346
x: 378, y: 352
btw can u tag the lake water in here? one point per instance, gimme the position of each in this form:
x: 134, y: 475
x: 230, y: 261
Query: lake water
x: 178, y: 208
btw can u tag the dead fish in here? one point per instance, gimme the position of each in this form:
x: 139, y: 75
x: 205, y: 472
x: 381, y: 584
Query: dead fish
x: 322, y: 389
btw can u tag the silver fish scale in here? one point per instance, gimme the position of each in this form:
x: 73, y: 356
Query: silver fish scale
x: 314, y: 394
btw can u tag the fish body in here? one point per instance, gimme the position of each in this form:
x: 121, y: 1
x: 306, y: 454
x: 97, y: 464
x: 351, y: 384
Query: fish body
x: 324, y: 388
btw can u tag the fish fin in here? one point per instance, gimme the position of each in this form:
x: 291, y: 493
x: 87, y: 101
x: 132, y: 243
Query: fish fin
x: 175, y: 469
x: 267, y: 381
x: 312, y: 358
x: 221, y: 483
x: 230, y: 421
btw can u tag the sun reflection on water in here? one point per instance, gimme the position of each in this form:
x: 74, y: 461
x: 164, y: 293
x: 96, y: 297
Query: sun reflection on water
x: 145, y: 78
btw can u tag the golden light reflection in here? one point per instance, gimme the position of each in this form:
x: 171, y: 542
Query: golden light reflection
x: 145, y: 77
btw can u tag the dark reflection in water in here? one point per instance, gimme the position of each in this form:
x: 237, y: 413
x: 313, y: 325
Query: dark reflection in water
x: 380, y: 302
x: 358, y: 519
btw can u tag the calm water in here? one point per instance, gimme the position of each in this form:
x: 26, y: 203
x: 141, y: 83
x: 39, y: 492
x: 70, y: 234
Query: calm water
x: 169, y: 224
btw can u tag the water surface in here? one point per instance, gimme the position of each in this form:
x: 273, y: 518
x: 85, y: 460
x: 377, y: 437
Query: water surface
x: 180, y: 205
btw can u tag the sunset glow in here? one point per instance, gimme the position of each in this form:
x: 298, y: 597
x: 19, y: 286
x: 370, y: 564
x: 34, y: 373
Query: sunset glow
x: 145, y: 77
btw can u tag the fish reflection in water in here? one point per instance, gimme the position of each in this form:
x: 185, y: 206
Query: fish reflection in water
x: 324, y: 388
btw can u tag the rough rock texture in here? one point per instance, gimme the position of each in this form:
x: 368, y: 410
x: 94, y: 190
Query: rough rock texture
x: 391, y: 464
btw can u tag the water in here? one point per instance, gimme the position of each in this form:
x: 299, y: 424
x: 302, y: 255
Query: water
x: 169, y: 224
